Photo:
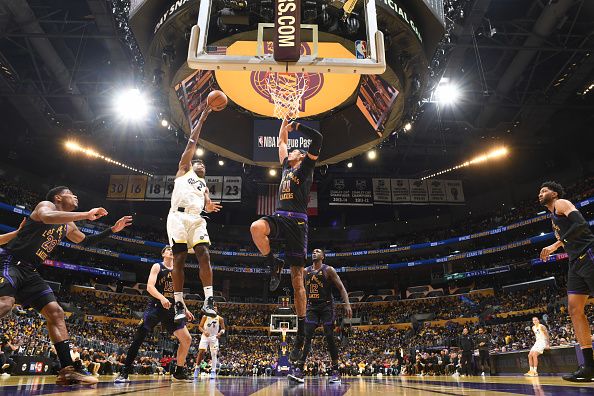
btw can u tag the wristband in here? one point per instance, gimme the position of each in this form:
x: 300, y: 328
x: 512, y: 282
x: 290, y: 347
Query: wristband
x: 191, y: 140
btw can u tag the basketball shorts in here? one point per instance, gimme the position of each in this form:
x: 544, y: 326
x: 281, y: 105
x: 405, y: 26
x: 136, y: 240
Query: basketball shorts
x: 155, y: 314
x: 187, y: 228
x: 539, y: 346
x: 293, y: 232
x: 211, y: 342
x: 322, y: 314
x: 23, y: 282
x: 580, y: 276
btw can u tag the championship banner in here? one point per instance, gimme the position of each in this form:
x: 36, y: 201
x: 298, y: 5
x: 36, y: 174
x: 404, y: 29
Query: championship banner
x: 436, y: 190
x: 351, y: 192
x: 410, y: 191
x: 418, y: 191
x: 382, y: 194
x: 400, y: 190
x: 160, y: 188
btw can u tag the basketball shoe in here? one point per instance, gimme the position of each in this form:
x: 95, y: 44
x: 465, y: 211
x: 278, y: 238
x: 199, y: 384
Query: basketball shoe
x: 583, y: 374
x: 208, y: 308
x: 276, y: 268
x: 71, y: 376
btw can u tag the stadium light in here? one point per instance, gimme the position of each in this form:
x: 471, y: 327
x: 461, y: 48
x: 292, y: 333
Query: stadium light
x: 494, y: 154
x: 372, y: 154
x: 272, y: 172
x: 447, y: 92
x: 199, y: 152
x: 349, y: 164
x: 77, y: 148
x: 221, y: 162
x: 407, y: 127
x: 164, y: 123
x: 131, y: 104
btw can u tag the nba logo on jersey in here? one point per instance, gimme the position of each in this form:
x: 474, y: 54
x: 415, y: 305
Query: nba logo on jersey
x: 361, y: 49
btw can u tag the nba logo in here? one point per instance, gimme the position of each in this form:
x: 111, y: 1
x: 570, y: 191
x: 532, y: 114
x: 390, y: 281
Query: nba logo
x: 361, y: 49
x: 260, y: 141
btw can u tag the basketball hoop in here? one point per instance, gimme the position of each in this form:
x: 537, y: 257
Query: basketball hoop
x: 286, y: 91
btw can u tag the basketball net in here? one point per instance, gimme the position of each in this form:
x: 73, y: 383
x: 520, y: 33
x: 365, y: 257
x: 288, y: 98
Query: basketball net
x: 286, y: 91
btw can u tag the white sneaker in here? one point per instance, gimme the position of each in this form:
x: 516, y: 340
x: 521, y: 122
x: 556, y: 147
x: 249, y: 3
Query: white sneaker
x: 456, y: 374
x: 5, y: 374
x: 483, y: 374
x: 214, y: 375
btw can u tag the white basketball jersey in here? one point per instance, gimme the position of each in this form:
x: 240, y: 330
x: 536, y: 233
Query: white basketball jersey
x: 212, y: 326
x: 188, y: 192
x: 540, y: 336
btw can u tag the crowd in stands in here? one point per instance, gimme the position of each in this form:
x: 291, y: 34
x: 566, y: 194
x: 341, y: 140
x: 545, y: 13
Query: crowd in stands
x: 390, y: 350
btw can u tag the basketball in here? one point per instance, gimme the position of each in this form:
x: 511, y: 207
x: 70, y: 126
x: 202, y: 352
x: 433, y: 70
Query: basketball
x: 217, y: 100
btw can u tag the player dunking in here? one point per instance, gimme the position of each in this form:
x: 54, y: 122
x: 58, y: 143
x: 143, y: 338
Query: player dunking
x: 542, y: 343
x: 574, y: 234
x: 289, y: 221
x: 319, y: 279
x: 160, y: 287
x: 50, y: 221
x: 186, y: 228
x: 212, y: 329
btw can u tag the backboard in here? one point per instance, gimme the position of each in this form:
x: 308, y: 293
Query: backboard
x: 351, y: 24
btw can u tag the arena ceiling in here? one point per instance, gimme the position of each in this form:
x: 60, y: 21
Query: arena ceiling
x: 524, y: 67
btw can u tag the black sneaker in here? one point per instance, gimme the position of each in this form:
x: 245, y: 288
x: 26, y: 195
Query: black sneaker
x: 181, y: 375
x: 295, y: 354
x: 275, y: 273
x: 583, y: 374
x: 208, y: 308
x: 180, y: 312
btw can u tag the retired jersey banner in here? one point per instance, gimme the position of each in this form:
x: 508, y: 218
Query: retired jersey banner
x: 232, y: 189
x: 160, y: 188
x: 351, y: 192
x: 215, y: 187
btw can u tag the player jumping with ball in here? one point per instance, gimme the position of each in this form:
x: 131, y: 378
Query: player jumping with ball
x: 186, y: 228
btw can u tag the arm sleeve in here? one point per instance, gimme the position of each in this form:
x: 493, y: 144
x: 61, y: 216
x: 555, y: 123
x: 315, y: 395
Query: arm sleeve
x: 96, y: 238
x: 577, y: 223
x: 315, y: 136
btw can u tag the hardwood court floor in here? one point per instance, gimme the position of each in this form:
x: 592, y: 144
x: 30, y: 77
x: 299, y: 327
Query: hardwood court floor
x: 267, y: 386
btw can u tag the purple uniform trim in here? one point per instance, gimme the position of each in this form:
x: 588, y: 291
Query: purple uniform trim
x: 295, y: 215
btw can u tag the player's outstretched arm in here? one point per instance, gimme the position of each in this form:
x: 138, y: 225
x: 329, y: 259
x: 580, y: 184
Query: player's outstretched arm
x: 46, y: 212
x: 76, y: 236
x: 283, y: 140
x: 313, y: 152
x: 343, y: 293
x: 185, y: 162
x: 9, y: 236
